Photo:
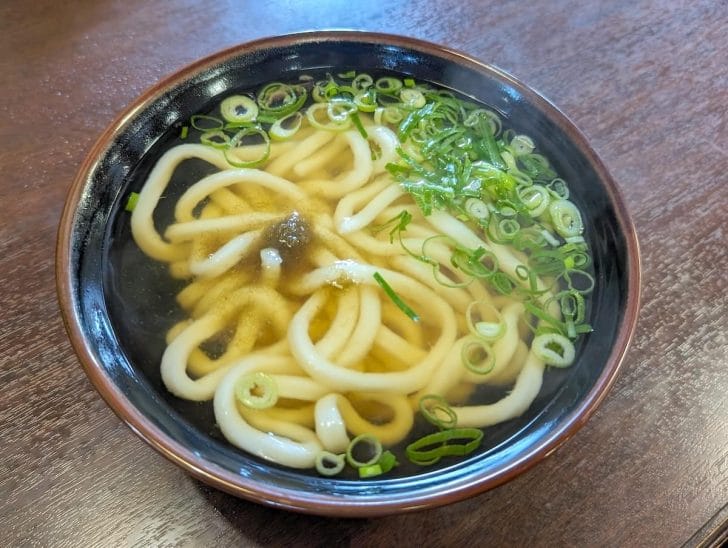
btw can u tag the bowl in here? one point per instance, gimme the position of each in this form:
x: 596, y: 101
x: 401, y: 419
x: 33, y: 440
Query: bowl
x: 117, y: 339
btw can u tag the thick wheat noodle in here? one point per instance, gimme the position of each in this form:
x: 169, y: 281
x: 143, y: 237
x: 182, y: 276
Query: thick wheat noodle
x: 368, y: 201
x: 230, y: 254
x: 402, y: 324
x: 280, y: 449
x: 422, y: 272
x: 351, y: 180
x: 176, y: 356
x: 363, y: 337
x: 305, y: 148
x: 330, y: 425
x: 342, y: 325
x: 527, y: 387
x: 509, y: 373
x: 381, y: 248
x: 247, y: 332
x: 389, y: 433
x: 321, y: 157
x: 368, y: 350
x: 199, y: 191
x: 367, y: 214
x: 504, y: 347
x: 342, y: 379
x: 395, y: 345
x: 180, y: 232
x: 229, y: 202
x: 302, y: 415
x: 507, y: 262
x: 142, y: 222
x: 387, y: 142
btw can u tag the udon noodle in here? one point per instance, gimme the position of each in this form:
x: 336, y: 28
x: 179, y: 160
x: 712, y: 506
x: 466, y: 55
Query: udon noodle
x: 296, y: 281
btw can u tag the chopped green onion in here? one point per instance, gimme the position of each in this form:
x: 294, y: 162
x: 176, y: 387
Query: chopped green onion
x: 485, y: 321
x: 566, y: 218
x: 554, y: 349
x: 280, y: 100
x: 340, y: 109
x: 437, y: 411
x: 522, y: 144
x: 184, y: 132
x: 256, y: 390
x: 286, y: 127
x: 358, y: 125
x: 387, y: 461
x: 362, y: 82
x: 535, y: 198
x: 408, y: 83
x: 370, y: 471
x: 388, y: 84
x: 412, y: 98
x: 329, y: 464
x: 202, y: 122
x: 366, y: 101
x: 237, y: 141
x: 131, y: 201
x: 477, y: 209
x: 239, y: 108
x: 431, y: 448
x: 329, y: 125
x: 363, y: 450
x: 478, y: 356
x: 215, y: 139
x: 396, y: 299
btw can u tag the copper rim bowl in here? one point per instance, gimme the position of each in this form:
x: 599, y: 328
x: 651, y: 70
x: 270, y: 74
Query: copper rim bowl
x: 108, y: 328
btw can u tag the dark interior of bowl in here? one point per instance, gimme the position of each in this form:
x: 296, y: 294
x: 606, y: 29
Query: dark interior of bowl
x: 126, y: 302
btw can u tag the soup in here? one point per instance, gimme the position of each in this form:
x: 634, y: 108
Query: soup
x: 365, y: 252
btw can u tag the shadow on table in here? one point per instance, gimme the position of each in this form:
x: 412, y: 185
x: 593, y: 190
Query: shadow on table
x: 449, y: 525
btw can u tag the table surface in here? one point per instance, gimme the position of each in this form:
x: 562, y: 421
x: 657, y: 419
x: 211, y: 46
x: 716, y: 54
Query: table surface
x: 648, y: 84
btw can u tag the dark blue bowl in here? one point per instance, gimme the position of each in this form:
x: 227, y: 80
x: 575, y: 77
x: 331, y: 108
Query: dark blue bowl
x: 116, y: 303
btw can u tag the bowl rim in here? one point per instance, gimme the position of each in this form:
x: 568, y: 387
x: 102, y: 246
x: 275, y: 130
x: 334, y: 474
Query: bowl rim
x: 317, y: 503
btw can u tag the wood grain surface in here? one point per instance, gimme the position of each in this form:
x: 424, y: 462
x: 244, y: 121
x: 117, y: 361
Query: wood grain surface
x: 647, y: 81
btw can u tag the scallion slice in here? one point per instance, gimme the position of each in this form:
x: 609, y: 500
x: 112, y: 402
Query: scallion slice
x: 478, y: 356
x: 396, y: 299
x: 256, y: 390
x: 485, y: 321
x: 329, y: 464
x: 239, y: 108
x: 431, y: 448
x: 131, y: 201
x: 215, y: 139
x: 364, y: 450
x: 237, y: 141
x: 437, y: 411
x: 566, y: 218
x: 286, y: 127
x: 554, y: 349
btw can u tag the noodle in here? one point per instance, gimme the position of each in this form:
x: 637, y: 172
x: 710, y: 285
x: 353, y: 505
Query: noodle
x: 280, y: 260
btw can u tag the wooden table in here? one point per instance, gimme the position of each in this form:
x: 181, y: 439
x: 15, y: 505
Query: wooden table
x: 646, y: 81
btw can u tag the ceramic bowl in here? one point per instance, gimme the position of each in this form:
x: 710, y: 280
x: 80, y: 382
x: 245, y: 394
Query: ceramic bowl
x: 110, y: 294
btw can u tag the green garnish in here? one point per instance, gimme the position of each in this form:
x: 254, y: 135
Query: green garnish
x: 363, y: 450
x: 256, y: 391
x: 437, y: 411
x: 431, y: 448
x: 396, y: 299
x: 329, y: 464
x: 455, y: 156
x: 131, y: 201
